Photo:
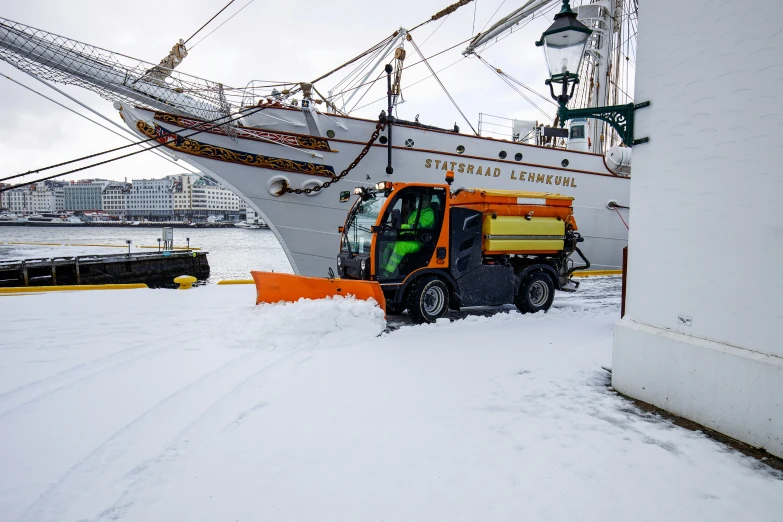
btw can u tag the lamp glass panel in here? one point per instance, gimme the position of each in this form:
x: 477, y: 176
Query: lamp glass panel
x: 564, y: 51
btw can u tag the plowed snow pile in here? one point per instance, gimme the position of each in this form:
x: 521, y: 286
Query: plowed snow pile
x: 162, y: 405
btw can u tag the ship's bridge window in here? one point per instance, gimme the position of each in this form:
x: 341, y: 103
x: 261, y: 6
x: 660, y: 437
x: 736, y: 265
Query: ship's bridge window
x: 577, y: 132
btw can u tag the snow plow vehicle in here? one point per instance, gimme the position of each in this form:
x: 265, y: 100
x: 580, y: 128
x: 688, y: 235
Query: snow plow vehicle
x: 428, y: 249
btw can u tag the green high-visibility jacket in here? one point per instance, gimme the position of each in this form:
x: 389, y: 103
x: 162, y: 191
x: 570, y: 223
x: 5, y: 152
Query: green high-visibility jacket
x: 427, y: 219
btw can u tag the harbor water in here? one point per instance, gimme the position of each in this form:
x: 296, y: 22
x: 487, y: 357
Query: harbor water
x: 233, y: 252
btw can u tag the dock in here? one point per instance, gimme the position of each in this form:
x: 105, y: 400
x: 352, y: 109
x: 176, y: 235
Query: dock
x: 138, y: 267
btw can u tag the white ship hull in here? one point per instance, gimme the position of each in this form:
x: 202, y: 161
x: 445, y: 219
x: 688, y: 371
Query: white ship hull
x: 292, y: 145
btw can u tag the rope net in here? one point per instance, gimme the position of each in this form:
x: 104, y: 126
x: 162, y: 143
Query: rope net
x: 117, y: 77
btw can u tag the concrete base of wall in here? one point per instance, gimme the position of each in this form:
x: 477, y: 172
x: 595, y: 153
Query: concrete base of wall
x: 731, y: 390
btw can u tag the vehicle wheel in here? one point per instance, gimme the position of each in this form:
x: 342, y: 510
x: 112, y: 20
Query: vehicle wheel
x: 395, y: 308
x: 536, y: 293
x: 428, y: 301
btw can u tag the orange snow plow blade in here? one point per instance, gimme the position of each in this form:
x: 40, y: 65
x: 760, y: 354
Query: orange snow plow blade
x: 273, y: 287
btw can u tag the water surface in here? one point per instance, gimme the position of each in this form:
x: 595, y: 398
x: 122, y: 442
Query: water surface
x: 233, y: 252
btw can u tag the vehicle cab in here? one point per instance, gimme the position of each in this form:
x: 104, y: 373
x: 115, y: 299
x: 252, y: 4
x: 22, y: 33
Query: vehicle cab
x: 408, y: 214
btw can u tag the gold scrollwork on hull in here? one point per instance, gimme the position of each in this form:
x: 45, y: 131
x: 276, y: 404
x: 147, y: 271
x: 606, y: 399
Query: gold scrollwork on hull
x: 204, y: 150
x: 304, y: 142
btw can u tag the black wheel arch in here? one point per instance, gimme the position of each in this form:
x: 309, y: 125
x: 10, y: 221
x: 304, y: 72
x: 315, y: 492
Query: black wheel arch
x: 441, y: 274
x: 540, y: 267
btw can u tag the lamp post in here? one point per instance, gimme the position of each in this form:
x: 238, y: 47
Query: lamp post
x: 564, y: 48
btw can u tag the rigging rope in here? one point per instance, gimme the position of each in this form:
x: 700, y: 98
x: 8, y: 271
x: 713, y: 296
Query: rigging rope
x: 157, y: 153
x: 440, y: 14
x: 168, y: 133
x: 443, y: 87
x: 221, y: 25
x: 208, y: 21
x: 621, y: 216
x: 356, y: 74
x: 435, y: 31
x: 353, y: 76
x: 493, y: 15
x: 411, y: 85
x: 368, y: 90
x: 372, y: 49
x: 499, y: 71
x: 409, y: 66
x: 506, y: 78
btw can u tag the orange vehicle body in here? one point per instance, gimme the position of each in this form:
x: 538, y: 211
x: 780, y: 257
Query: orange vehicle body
x: 496, y: 208
x: 273, y: 287
x: 498, y: 202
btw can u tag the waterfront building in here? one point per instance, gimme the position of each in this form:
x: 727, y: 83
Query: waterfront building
x: 115, y: 199
x: 198, y: 198
x: 47, y: 196
x: 44, y: 196
x: 151, y: 200
x: 182, y: 186
x: 16, y: 200
x: 182, y: 197
x: 210, y: 198
x: 85, y: 194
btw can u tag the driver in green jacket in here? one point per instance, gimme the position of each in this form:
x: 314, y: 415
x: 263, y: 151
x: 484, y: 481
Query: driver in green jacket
x: 410, y: 246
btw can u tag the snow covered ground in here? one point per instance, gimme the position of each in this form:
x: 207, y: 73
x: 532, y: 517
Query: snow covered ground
x: 164, y: 405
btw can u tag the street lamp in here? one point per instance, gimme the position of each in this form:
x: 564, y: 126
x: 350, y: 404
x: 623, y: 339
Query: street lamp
x: 564, y: 48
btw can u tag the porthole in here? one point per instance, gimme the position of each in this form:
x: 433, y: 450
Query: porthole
x: 518, y: 156
x: 409, y: 142
x: 278, y: 185
x: 461, y: 149
x: 311, y: 184
x: 330, y: 133
x: 502, y: 154
x: 564, y: 163
x: 383, y: 140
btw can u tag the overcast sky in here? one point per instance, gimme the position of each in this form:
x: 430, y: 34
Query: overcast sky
x: 290, y: 41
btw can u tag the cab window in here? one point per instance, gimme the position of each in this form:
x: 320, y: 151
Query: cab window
x: 411, y: 227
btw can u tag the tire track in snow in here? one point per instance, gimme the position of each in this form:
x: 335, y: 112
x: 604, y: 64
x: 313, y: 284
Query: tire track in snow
x: 86, y: 367
x: 72, y: 369
x: 41, y: 508
x: 141, y: 473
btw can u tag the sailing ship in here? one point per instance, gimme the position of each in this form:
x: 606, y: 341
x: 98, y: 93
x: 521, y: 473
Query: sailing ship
x: 283, y: 151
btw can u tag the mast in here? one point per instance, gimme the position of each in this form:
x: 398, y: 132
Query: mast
x: 594, y: 78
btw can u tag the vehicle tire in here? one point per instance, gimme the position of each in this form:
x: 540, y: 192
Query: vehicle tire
x: 535, y: 293
x: 428, y: 300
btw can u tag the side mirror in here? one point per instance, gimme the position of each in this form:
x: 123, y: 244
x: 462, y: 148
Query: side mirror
x: 345, y: 195
x: 396, y: 219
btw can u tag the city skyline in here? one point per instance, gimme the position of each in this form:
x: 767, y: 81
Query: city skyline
x: 182, y: 196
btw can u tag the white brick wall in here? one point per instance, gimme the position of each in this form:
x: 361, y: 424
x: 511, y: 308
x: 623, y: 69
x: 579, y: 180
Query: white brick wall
x: 706, y: 238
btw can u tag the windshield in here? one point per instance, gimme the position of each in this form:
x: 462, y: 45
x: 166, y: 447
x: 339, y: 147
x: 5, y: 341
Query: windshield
x: 357, y: 238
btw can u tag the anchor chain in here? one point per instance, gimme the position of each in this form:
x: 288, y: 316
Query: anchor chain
x: 378, y: 128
